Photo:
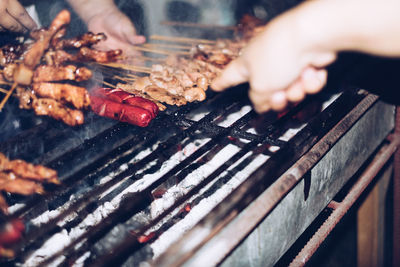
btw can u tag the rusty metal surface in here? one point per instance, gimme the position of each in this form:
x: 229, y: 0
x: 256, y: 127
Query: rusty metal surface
x: 365, y: 179
x: 396, y: 199
x: 297, y: 209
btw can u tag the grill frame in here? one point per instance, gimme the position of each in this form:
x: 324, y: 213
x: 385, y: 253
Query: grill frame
x: 173, y: 119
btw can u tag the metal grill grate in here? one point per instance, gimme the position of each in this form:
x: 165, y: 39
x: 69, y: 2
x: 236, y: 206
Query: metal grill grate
x: 98, y: 165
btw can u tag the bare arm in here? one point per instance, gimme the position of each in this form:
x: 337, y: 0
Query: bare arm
x: 104, y: 16
x: 288, y: 59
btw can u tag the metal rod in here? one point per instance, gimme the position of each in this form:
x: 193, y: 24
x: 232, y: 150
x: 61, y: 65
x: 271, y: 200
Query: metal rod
x: 396, y: 198
x: 365, y: 179
x: 236, y: 231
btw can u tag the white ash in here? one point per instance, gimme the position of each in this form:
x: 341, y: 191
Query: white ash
x: 16, y: 207
x: 54, y: 244
x: 231, y: 118
x: 205, y: 205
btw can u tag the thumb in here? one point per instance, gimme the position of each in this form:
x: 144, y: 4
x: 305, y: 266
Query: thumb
x: 235, y: 73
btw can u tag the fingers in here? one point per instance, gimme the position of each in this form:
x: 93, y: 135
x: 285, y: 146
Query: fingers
x: 310, y: 81
x: 13, y: 17
x: 235, y: 73
x: 19, y: 13
x: 313, y: 80
x: 295, y: 92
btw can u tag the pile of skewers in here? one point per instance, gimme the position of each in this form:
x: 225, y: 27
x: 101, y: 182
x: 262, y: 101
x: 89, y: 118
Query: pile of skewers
x: 47, y: 74
x: 188, y: 68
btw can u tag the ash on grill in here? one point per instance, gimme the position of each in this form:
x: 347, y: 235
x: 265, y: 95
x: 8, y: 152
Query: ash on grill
x: 146, y: 185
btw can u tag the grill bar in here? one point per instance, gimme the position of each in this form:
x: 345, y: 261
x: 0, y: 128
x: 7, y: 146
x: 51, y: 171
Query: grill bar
x: 236, y: 231
x: 242, y: 196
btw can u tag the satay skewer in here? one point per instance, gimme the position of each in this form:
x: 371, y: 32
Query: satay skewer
x: 105, y: 83
x: 198, y: 25
x: 144, y: 58
x: 3, y: 91
x: 181, y: 39
x: 160, y: 51
x: 128, y: 67
x: 173, y: 46
x: 8, y: 94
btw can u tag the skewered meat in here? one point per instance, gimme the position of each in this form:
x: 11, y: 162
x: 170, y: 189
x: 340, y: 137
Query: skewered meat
x: 58, y: 57
x: 9, y: 53
x: 88, y: 54
x: 119, y: 111
x: 128, y: 88
x: 25, y: 96
x: 120, y: 96
x: 34, y: 55
x: 8, y: 71
x: 56, y: 110
x: 164, y: 96
x: 12, y: 184
x: 10, y: 233
x: 46, y: 73
x: 20, y: 177
x: 75, y: 95
x: 27, y: 170
x: 86, y: 39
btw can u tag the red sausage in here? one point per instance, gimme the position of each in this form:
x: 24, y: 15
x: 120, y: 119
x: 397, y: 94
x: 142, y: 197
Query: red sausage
x: 120, y: 96
x: 120, y: 111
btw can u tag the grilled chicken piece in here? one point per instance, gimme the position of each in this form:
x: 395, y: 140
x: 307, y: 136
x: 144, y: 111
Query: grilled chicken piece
x: 88, y: 54
x: 25, y: 96
x: 45, y: 73
x: 86, y: 39
x: 29, y: 171
x: 12, y: 184
x: 35, y: 53
x: 164, y: 96
x: 58, y: 57
x: 56, y: 110
x: 130, y: 89
x: 75, y: 95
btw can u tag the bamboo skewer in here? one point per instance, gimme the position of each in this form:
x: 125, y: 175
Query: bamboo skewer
x: 198, y: 25
x: 3, y: 90
x: 173, y: 46
x: 160, y: 51
x: 7, y: 96
x: 4, y: 82
x: 105, y: 83
x: 181, y: 39
x: 128, y: 67
x: 124, y: 79
x: 144, y: 58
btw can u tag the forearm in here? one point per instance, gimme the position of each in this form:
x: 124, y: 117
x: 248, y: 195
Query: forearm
x: 86, y: 9
x: 369, y: 26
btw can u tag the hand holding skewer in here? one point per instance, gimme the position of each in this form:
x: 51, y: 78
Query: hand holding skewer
x: 288, y: 58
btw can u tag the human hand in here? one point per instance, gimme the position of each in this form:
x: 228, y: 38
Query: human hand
x: 13, y: 17
x: 120, y: 31
x: 281, y: 65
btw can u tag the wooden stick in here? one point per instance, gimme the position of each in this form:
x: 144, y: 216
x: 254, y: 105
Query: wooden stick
x: 106, y: 83
x: 160, y: 51
x: 198, y: 25
x: 3, y: 90
x: 128, y: 67
x: 173, y: 46
x: 181, y: 39
x: 109, y: 84
x: 3, y: 102
x: 124, y: 79
x: 4, y: 82
x: 144, y: 58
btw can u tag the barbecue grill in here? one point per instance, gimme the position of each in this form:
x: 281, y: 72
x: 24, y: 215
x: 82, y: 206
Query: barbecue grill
x: 191, y: 186
x: 208, y: 183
